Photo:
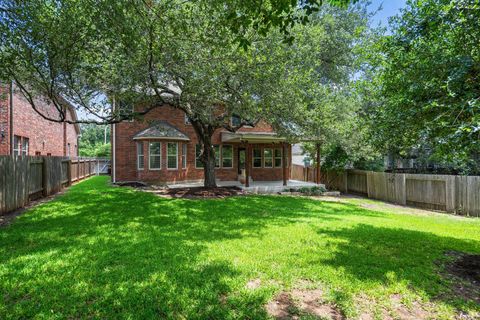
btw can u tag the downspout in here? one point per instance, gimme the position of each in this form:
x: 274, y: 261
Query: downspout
x: 11, y: 118
x: 114, y: 176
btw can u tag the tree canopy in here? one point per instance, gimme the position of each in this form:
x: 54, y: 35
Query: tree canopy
x: 428, y: 83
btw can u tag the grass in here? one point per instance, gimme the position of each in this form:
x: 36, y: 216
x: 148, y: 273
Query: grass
x: 109, y: 252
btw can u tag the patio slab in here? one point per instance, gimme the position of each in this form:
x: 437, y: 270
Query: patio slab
x: 257, y: 187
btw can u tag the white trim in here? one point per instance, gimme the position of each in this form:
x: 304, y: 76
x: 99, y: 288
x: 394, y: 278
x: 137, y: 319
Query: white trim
x: 253, y: 158
x: 231, y: 158
x: 218, y: 158
x: 200, y: 168
x: 271, y: 158
x: 114, y: 176
x: 142, y: 155
x: 275, y: 158
x: 184, y: 155
x: 149, y: 155
x: 163, y: 138
x: 176, y: 156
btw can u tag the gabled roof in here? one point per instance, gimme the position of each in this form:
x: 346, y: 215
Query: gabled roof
x: 161, y: 129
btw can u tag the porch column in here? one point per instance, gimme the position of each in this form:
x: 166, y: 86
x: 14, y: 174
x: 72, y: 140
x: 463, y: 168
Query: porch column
x: 247, y: 165
x: 284, y: 163
x: 318, y: 164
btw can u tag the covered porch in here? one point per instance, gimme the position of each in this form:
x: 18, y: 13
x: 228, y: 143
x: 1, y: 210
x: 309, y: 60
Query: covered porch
x: 264, y: 160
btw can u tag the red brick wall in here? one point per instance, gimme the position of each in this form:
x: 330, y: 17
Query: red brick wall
x: 45, y: 137
x: 4, y: 120
x: 126, y: 154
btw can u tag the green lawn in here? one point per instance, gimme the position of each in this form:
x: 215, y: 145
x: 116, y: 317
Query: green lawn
x: 109, y: 252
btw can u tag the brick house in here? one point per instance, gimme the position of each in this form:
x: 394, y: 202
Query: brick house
x: 162, y: 148
x: 24, y: 132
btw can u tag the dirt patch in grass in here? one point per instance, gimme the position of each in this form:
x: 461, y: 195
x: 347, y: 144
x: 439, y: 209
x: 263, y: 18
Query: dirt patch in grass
x: 395, y: 308
x: 464, y: 272
x: 253, y: 284
x: 302, y: 302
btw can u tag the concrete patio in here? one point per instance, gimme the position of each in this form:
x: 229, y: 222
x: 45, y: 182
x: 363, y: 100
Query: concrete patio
x: 257, y: 187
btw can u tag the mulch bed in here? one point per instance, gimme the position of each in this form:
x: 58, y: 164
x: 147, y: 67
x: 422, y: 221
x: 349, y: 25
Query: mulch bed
x: 200, y: 192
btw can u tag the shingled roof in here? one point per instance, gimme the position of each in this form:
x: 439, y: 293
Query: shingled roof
x: 161, y: 129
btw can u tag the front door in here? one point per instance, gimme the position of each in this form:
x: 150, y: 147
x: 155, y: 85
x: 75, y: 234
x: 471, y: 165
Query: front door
x: 241, y: 159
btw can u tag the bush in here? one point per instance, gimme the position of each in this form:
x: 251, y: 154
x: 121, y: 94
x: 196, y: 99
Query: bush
x: 312, y: 191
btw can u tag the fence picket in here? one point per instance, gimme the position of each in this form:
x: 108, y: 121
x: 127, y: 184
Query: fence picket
x: 23, y: 178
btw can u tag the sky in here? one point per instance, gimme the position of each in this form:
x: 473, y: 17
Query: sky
x: 390, y: 8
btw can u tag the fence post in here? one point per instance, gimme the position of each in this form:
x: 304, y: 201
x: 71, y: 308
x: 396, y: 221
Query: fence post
x: 345, y: 180
x: 450, y: 193
x: 44, y: 176
x: 69, y: 171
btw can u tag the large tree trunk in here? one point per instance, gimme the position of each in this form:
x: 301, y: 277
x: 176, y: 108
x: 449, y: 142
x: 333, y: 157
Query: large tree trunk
x: 207, y: 157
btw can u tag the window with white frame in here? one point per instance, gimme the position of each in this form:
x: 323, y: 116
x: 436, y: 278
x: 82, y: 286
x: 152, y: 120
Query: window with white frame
x: 267, y: 158
x: 227, y: 156
x: 198, y: 151
x: 257, y: 158
x: 155, y: 155
x: 140, y: 156
x: 16, y: 145
x: 278, y: 158
x: 184, y: 155
x: 217, y: 155
x: 187, y: 119
x: 25, y: 146
x: 172, y: 155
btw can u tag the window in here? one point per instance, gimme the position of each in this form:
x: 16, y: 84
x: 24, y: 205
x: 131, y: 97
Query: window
x: 125, y: 111
x: 172, y: 155
x: 49, y: 154
x: 217, y: 155
x: 235, y: 120
x: 184, y: 155
x: 278, y: 158
x: 140, y: 156
x: 155, y: 156
x: 68, y: 149
x: 227, y: 156
x: 16, y: 145
x: 198, y: 150
x: 257, y: 158
x: 187, y: 119
x: 25, y: 143
x: 38, y: 153
x: 267, y: 158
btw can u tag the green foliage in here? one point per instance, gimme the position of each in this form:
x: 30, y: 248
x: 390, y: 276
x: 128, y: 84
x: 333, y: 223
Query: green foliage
x: 428, y: 83
x: 332, y: 100
x: 95, y: 141
x: 113, y: 252
x: 182, y: 53
x: 312, y: 191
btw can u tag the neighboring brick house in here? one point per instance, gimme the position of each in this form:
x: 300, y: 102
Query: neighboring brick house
x: 162, y: 148
x: 24, y: 132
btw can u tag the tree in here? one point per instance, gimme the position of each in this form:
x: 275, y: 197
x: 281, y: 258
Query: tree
x: 332, y: 118
x: 428, y: 83
x: 151, y: 54
x: 95, y: 140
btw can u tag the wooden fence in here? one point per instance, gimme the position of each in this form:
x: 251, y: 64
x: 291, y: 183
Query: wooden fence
x: 25, y: 178
x: 456, y: 194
